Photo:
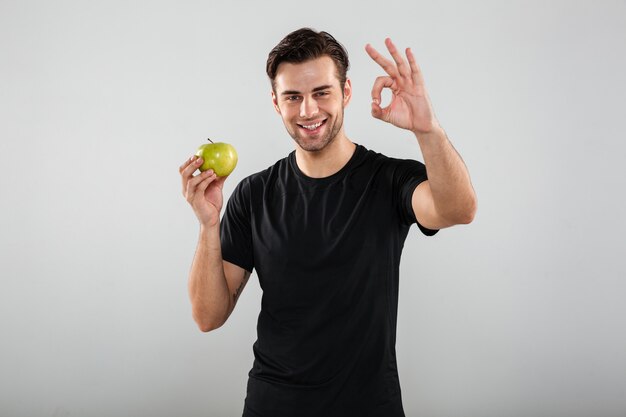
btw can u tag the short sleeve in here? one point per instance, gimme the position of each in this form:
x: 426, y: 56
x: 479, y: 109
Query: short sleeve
x: 236, y: 230
x: 408, y: 175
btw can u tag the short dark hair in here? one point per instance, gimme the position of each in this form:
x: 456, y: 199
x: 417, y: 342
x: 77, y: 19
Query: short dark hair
x: 306, y: 44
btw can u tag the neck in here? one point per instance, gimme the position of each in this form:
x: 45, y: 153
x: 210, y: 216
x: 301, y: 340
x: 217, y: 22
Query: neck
x: 326, y: 162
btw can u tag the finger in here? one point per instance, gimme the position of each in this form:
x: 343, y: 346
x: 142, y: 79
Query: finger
x: 387, y: 65
x: 403, y: 69
x: 416, y: 72
x: 186, y: 164
x: 219, y: 181
x: 379, y: 84
x: 197, y: 179
x: 187, y: 170
x: 192, y: 183
x: 204, y: 184
x: 381, y: 113
x: 377, y: 111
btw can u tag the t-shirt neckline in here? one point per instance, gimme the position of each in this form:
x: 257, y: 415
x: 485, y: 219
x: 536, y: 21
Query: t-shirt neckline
x: 358, y: 151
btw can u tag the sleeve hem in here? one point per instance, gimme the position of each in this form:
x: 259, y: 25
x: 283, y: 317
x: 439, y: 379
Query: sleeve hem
x: 426, y: 231
x: 236, y: 261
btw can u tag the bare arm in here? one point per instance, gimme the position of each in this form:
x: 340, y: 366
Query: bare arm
x: 447, y: 198
x: 214, y: 285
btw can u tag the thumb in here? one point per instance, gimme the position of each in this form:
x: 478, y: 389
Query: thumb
x: 377, y: 111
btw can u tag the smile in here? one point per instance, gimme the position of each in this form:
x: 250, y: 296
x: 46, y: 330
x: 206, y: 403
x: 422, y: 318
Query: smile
x: 313, y: 126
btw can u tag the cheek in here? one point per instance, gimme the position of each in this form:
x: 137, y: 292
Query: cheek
x: 284, y: 112
x: 289, y: 117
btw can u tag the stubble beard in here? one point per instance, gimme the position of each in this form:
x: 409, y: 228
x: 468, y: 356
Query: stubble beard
x: 316, y: 145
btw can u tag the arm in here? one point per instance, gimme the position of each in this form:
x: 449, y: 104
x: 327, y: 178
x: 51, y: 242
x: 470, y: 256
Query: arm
x: 214, y: 285
x: 447, y: 198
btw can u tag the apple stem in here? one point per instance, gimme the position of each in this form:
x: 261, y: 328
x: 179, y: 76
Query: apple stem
x: 209, y: 139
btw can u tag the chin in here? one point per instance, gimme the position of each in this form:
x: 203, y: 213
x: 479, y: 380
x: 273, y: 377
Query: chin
x: 315, y: 145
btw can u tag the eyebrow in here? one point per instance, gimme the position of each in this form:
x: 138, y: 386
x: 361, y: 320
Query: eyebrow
x: 316, y: 89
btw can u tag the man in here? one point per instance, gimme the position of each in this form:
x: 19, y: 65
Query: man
x: 324, y: 228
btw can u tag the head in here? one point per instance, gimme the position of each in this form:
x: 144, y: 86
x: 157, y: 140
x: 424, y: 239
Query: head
x: 304, y: 45
x: 310, y: 87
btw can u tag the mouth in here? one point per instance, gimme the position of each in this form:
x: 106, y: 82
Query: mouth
x: 313, y: 127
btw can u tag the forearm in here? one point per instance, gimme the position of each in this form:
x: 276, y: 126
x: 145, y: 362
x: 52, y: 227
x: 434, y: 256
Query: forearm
x: 450, y: 184
x: 208, y: 288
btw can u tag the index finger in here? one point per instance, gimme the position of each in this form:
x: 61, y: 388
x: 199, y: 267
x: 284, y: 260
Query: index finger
x: 387, y: 65
x: 189, y: 167
x: 186, y: 164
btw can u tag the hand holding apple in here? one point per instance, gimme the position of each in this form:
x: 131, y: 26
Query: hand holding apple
x: 219, y: 156
x: 204, y: 190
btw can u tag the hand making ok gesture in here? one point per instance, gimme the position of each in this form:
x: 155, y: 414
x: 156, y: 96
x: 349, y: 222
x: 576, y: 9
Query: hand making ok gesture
x: 410, y: 107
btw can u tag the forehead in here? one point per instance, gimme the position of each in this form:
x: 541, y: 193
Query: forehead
x: 307, y: 75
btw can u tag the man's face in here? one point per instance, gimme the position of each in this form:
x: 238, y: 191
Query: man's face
x: 310, y: 101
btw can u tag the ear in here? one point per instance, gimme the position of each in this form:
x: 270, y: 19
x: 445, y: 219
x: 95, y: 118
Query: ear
x: 347, y: 92
x: 275, y: 102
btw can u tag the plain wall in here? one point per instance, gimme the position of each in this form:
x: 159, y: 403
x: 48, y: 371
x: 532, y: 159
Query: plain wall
x: 520, y: 313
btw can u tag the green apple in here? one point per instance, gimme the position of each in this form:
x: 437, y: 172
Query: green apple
x: 219, y: 156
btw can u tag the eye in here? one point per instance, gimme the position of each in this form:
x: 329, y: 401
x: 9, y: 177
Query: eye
x: 292, y: 98
x: 322, y: 93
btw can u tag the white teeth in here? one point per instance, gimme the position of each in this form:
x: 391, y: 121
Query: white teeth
x: 313, y: 127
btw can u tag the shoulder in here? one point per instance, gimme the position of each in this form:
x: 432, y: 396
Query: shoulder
x: 260, y: 180
x: 392, y: 166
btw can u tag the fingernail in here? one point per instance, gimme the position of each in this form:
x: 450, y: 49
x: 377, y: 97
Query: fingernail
x: 198, y: 161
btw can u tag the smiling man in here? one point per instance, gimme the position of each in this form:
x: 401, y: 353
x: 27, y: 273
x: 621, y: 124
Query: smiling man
x: 311, y: 100
x: 324, y: 229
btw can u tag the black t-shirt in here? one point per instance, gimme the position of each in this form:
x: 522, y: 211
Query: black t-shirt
x: 327, y: 255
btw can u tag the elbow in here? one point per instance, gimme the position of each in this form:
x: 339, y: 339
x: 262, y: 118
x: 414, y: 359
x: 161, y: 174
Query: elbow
x: 207, y: 323
x: 467, y: 218
x: 206, y: 326
x: 469, y: 213
x: 465, y: 213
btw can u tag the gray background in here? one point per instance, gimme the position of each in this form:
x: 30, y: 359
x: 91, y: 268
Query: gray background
x: 519, y: 314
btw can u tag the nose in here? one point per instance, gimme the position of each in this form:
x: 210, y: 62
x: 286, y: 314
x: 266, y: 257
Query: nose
x: 308, y: 108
